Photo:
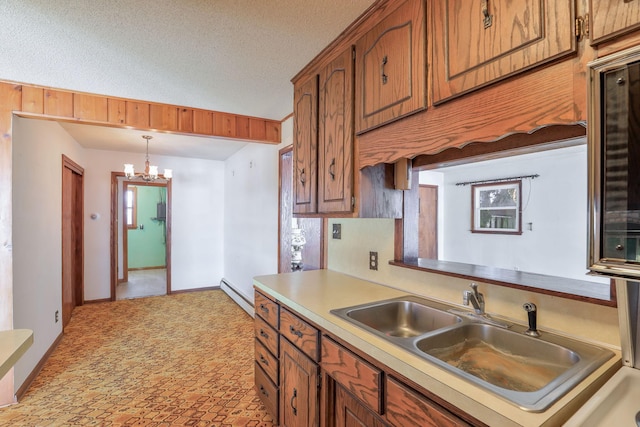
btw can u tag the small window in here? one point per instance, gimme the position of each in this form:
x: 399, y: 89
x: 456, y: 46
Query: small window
x: 496, y: 208
x: 130, y: 211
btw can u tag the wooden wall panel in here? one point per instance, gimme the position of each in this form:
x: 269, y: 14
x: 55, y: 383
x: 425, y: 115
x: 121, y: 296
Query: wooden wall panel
x: 90, y: 107
x: 203, y: 122
x: 272, y: 131
x: 224, y: 125
x: 33, y: 99
x: 143, y: 115
x: 137, y: 114
x: 58, y: 103
x: 163, y: 117
x: 185, y: 120
x: 257, y: 129
x: 116, y: 111
x: 242, y: 127
x: 10, y: 100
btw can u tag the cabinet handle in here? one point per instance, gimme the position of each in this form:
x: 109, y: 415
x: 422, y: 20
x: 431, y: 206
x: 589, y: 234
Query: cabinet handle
x: 264, y: 391
x: 294, y: 397
x: 487, y: 19
x: 263, y: 360
x: 295, y: 332
x: 303, y: 177
x: 382, y: 74
x: 263, y: 334
x: 332, y: 169
x: 264, y: 309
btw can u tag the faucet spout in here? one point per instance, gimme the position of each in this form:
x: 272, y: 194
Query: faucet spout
x: 475, y: 298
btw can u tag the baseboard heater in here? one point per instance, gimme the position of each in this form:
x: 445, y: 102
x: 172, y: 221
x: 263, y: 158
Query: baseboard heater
x: 237, y: 296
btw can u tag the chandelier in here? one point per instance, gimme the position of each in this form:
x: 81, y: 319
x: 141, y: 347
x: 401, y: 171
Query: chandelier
x: 150, y: 172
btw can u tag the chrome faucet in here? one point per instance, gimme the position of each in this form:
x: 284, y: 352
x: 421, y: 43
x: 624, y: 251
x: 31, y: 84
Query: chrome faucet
x: 475, y: 298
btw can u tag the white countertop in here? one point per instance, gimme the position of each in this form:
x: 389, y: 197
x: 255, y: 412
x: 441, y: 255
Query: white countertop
x: 314, y: 293
x: 13, y: 344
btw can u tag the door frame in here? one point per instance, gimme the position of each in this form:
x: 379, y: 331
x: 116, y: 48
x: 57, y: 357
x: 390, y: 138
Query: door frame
x: 78, y: 224
x: 114, y: 231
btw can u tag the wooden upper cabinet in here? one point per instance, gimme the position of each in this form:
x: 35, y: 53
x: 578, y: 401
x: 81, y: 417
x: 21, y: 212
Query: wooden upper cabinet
x: 390, y: 67
x: 481, y: 42
x: 612, y: 18
x: 305, y: 146
x: 335, y: 135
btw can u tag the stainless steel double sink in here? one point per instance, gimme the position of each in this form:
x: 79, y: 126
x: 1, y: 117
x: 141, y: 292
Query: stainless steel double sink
x: 530, y: 372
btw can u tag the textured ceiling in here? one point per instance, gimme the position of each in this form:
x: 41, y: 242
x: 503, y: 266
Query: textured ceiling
x: 235, y: 56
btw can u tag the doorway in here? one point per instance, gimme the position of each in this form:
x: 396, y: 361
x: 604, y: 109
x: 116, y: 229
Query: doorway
x: 141, y: 236
x: 428, y: 222
x: 72, y: 238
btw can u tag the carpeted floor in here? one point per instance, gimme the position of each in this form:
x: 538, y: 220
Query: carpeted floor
x: 177, y: 360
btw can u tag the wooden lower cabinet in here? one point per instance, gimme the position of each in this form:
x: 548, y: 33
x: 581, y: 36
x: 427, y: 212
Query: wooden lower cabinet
x: 306, y: 377
x: 299, y: 401
x: 405, y: 407
x: 349, y: 412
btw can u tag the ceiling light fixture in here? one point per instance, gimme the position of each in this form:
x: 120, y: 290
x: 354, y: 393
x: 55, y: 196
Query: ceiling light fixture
x: 150, y: 172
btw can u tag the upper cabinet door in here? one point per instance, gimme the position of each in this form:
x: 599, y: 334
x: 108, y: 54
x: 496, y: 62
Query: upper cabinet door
x: 335, y: 157
x: 390, y: 67
x: 612, y: 18
x: 305, y: 146
x: 480, y: 42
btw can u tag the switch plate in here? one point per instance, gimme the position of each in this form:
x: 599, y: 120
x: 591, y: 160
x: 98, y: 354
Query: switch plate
x: 336, y: 233
x: 373, y: 260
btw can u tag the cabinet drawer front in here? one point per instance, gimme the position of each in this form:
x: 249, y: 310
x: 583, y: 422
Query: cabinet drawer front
x: 267, y: 361
x: 407, y: 408
x: 300, y: 333
x: 267, y: 309
x: 266, y: 335
x: 356, y: 375
x: 267, y: 391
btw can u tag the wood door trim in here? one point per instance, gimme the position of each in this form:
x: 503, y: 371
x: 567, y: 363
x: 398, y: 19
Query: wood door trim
x: 78, y: 203
x: 114, y: 232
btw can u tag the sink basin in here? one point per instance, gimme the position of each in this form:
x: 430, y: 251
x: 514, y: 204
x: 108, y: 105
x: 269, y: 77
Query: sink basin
x: 403, y: 317
x: 529, y: 372
x: 500, y: 357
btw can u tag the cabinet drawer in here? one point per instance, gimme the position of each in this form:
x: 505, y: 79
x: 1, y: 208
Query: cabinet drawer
x: 359, y: 377
x: 267, y: 309
x: 300, y: 333
x: 266, y: 335
x: 405, y: 407
x: 267, y: 391
x: 267, y: 361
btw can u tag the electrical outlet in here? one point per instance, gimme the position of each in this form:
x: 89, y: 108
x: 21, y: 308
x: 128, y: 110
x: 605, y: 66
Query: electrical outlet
x: 336, y: 233
x: 373, y: 260
x: 57, y: 316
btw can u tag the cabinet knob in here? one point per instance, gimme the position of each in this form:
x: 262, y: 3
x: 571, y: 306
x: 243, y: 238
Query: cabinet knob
x: 619, y: 247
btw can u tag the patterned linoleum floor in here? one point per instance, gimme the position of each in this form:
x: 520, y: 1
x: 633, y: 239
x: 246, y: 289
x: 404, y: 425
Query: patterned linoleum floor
x: 177, y: 360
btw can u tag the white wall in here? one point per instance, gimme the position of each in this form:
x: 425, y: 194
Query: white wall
x: 37, y: 208
x: 251, y: 213
x: 197, y: 251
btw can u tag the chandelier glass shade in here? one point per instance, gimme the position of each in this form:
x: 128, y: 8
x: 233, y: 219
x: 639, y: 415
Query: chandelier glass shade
x: 150, y: 171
